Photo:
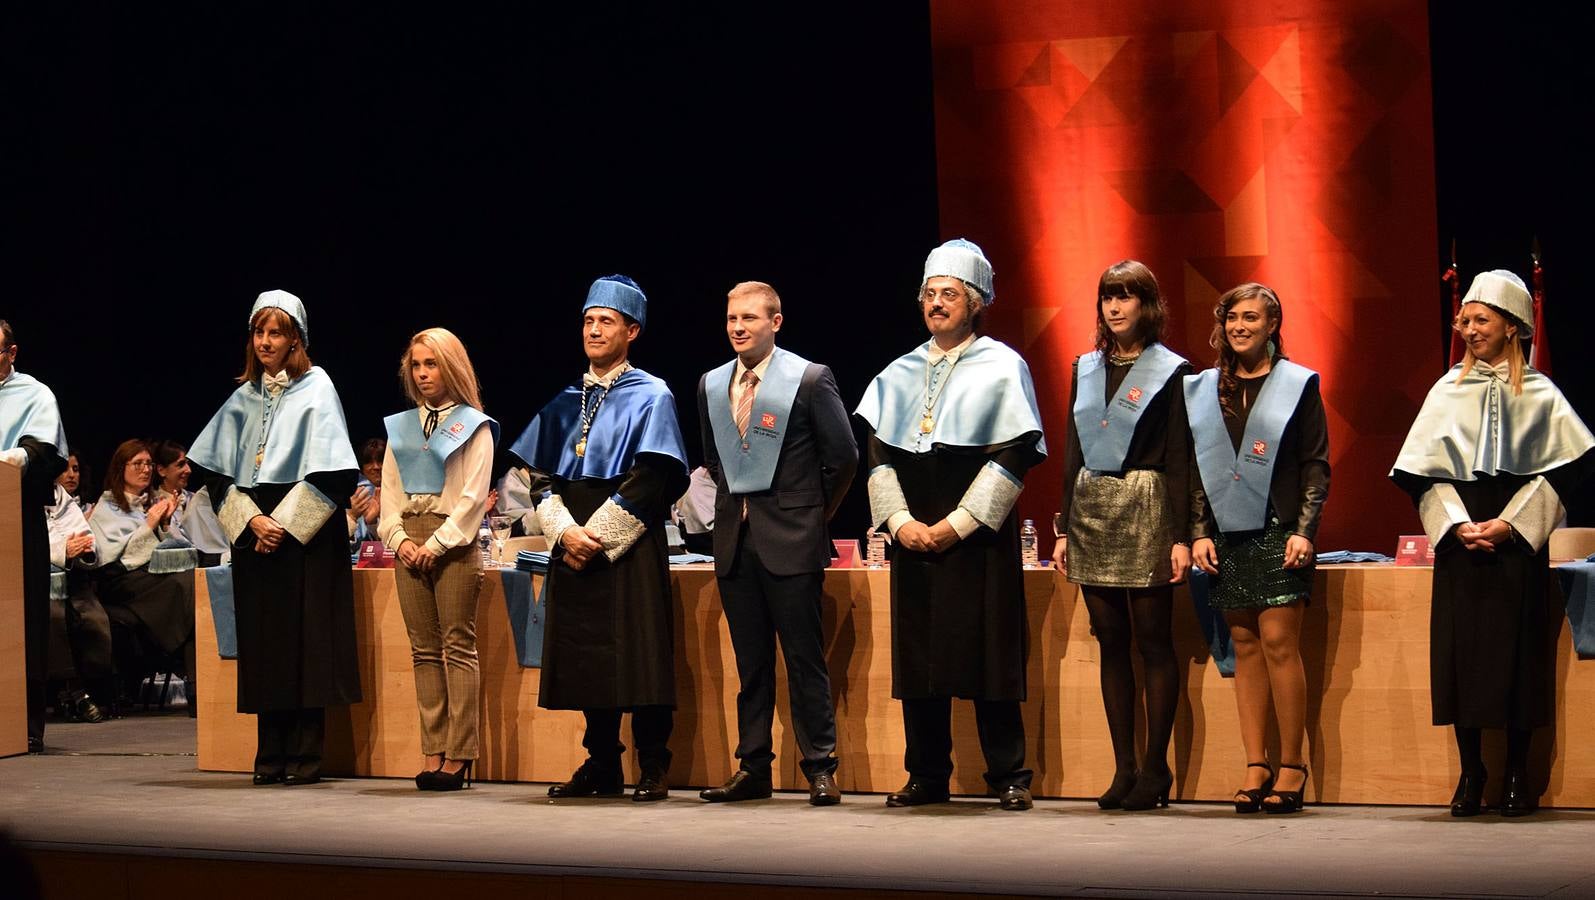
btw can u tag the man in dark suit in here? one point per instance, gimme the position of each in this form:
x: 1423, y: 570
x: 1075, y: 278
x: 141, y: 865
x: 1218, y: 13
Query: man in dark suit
x: 779, y: 444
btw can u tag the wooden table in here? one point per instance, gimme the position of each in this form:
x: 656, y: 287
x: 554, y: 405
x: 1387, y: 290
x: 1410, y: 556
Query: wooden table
x: 1365, y: 643
x: 13, y: 653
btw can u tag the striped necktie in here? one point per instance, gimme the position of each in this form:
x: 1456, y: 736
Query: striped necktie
x: 750, y: 384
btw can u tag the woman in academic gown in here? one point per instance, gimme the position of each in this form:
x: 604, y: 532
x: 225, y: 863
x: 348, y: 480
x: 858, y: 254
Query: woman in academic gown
x: 277, y: 462
x: 1125, y: 518
x: 139, y: 564
x: 1492, y: 452
x: 80, y: 653
x: 1262, y: 455
x: 438, y: 467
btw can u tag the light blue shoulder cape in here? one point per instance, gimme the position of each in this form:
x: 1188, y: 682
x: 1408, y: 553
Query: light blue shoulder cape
x: 989, y: 400
x: 307, y: 434
x: 637, y: 416
x: 28, y: 409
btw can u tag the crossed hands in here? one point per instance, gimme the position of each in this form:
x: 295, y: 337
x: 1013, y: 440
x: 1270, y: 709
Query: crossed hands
x: 580, y: 543
x: 1485, y: 536
x: 922, y: 538
x: 416, y: 558
x: 268, y: 534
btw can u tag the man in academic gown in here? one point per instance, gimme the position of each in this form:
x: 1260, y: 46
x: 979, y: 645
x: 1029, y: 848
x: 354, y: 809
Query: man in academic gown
x: 32, y: 441
x: 611, y: 449
x: 777, y: 440
x: 953, y: 428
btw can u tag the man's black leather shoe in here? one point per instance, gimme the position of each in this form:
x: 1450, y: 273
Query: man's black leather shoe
x: 1015, y: 797
x: 823, y: 790
x: 743, y: 785
x: 263, y: 779
x: 589, y: 781
x: 292, y: 780
x: 652, y: 786
x: 917, y: 793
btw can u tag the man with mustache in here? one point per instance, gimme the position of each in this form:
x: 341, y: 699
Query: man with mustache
x: 953, y: 428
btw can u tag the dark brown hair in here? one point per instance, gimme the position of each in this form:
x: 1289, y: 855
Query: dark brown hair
x: 1273, y: 312
x: 1128, y: 276
x: 114, y: 483
x: 298, y: 362
x: 372, y: 451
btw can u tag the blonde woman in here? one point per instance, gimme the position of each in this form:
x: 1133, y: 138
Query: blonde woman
x: 436, y: 474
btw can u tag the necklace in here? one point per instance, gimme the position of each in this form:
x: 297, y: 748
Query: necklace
x: 933, y: 392
x: 588, y: 416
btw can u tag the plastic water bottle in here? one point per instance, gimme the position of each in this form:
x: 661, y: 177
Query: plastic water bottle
x: 875, y: 550
x: 1028, y: 553
x: 484, y: 540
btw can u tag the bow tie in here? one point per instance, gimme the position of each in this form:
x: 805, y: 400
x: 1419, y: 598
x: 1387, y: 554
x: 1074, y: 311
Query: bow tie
x: 606, y: 382
x: 937, y: 355
x: 276, y: 383
x: 1501, y: 370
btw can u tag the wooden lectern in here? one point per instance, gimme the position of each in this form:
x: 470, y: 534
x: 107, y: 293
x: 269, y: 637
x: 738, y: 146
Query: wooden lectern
x: 13, y: 660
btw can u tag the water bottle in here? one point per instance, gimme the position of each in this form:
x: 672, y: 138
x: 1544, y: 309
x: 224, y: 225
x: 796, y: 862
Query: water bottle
x: 1028, y: 553
x: 875, y: 550
x: 484, y: 540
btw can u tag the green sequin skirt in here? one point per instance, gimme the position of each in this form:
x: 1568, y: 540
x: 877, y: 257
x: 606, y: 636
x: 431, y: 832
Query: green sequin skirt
x: 1251, y: 572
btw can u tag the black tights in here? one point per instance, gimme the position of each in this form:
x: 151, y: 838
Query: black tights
x: 1470, y: 749
x: 1113, y: 610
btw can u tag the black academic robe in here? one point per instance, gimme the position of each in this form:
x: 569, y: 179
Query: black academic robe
x: 38, y: 491
x: 609, y: 640
x: 958, y: 618
x: 295, y: 606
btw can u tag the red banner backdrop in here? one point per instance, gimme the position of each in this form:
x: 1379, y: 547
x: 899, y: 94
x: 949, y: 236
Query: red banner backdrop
x: 1286, y: 142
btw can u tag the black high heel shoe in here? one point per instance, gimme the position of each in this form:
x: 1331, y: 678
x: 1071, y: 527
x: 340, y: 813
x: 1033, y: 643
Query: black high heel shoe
x: 453, y: 781
x: 1469, y: 796
x: 1254, y: 796
x: 1516, y: 797
x: 1150, y: 790
x: 1289, y: 801
x: 1123, y: 782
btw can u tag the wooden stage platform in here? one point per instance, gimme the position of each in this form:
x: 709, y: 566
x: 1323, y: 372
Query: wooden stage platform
x: 1365, y: 643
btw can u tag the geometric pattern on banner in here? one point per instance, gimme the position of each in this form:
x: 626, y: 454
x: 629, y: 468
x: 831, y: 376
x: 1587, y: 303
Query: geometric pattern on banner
x: 1222, y: 142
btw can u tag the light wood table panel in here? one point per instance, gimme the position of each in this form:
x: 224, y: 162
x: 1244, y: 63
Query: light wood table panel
x: 13, y: 651
x: 1365, y: 644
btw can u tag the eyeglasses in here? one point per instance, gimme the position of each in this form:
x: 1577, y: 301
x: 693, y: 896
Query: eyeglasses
x: 141, y: 464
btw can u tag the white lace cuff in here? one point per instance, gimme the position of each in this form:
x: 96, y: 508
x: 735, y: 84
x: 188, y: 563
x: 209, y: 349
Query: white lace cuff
x: 554, y: 519
x: 885, y: 497
x: 303, y: 511
x: 236, y: 511
x: 1441, y: 509
x: 616, y: 528
x: 1534, y: 511
x: 991, y: 495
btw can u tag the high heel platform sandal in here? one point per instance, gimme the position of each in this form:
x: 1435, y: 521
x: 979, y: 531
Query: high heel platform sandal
x: 1254, y: 796
x: 1289, y: 801
x: 452, y: 781
x: 1150, y: 791
x: 1123, y: 782
x: 1469, y: 797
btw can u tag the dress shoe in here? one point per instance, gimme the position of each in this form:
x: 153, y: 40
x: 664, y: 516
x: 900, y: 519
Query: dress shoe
x: 264, y: 778
x: 1151, y: 790
x: 1469, y: 797
x: 423, y: 779
x: 591, y: 781
x: 1114, y: 796
x: 823, y: 790
x: 744, y: 785
x: 650, y: 787
x: 459, y: 779
x: 917, y: 793
x: 84, y: 709
x: 35, y: 744
x: 1015, y: 797
x: 1516, y: 797
x: 292, y: 780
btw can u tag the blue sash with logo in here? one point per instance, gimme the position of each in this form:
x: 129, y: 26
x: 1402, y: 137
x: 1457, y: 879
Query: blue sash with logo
x: 1237, y: 483
x: 28, y: 409
x: 749, y: 462
x: 421, y: 459
x: 1105, y: 431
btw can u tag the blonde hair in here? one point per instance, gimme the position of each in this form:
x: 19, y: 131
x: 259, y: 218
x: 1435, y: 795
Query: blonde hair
x: 454, y: 367
x: 772, y: 300
x: 1514, y: 348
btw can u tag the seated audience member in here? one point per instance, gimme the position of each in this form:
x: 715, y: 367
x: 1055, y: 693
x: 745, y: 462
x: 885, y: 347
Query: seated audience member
x: 365, y: 507
x: 139, y: 572
x: 515, y: 492
x: 695, y: 512
x: 192, y: 521
x: 81, y: 664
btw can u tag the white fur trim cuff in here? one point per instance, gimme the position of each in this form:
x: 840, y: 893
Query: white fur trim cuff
x: 991, y: 495
x: 616, y: 528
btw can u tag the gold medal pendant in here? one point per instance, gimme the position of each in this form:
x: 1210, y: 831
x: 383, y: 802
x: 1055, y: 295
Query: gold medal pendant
x: 581, y: 447
x: 926, y: 424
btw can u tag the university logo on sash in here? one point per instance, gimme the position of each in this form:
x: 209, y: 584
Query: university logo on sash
x: 1134, y: 395
x: 1259, y: 448
x: 767, y: 421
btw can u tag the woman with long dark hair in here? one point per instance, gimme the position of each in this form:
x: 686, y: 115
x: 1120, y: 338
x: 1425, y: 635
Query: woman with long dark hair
x: 1492, y: 452
x: 1262, y: 453
x: 1123, y: 532
x: 278, y: 465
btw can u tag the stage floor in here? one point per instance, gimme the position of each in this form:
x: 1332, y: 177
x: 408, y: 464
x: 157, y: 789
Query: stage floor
x: 130, y: 787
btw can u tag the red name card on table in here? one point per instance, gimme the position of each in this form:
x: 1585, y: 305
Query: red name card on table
x: 1414, y: 550
x: 846, y: 556
x: 374, y: 555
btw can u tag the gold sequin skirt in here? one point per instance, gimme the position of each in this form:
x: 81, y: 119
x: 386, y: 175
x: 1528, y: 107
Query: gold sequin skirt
x: 1120, y: 529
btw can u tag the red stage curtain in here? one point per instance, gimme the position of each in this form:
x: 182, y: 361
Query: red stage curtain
x: 1287, y: 142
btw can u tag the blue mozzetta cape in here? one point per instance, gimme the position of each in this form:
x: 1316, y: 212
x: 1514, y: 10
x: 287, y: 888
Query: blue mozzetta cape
x: 307, y: 434
x: 421, y: 459
x: 989, y: 400
x: 28, y: 409
x: 749, y: 461
x: 1237, y: 484
x: 638, y: 416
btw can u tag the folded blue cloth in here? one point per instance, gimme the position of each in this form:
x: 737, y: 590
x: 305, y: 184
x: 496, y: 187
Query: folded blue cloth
x: 526, y: 615
x: 532, y: 561
x: 1353, y: 556
x: 219, y: 584
x: 1578, y: 585
x: 1214, y: 628
x: 687, y: 559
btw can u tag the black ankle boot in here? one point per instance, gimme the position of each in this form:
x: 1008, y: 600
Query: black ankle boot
x: 1469, y: 796
x: 1517, y: 798
x: 1122, y: 783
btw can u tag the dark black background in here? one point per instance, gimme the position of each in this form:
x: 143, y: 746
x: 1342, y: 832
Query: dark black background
x: 478, y: 167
